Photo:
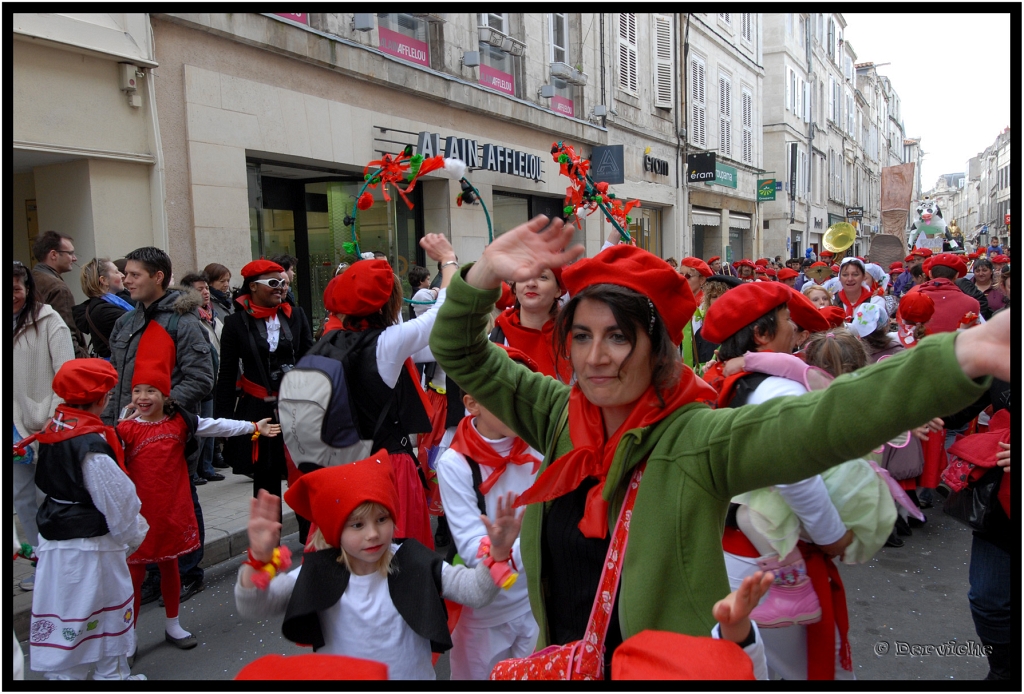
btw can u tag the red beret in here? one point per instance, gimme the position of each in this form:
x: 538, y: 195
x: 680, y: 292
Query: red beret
x: 260, y: 267
x: 787, y: 274
x: 1000, y: 259
x: 818, y: 264
x: 804, y: 313
x: 363, y: 288
x: 743, y: 263
x: 770, y: 271
x: 507, y: 298
x: 154, y: 359
x: 916, y: 307
x: 556, y: 272
x: 834, y: 315
x: 860, y: 258
x: 761, y: 261
x: 909, y: 258
x: 647, y: 274
x: 949, y: 260
x: 664, y: 655
x: 329, y: 496
x: 84, y: 381
x: 714, y: 258
x: 923, y: 252
x: 312, y: 666
x: 893, y: 267
x: 329, y: 302
x: 835, y: 268
x: 974, y: 256
x: 826, y: 254
x: 698, y: 265
x: 740, y: 307
x: 520, y: 356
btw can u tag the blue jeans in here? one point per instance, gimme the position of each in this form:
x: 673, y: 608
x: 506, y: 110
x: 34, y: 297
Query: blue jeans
x: 990, y: 575
x: 206, y: 445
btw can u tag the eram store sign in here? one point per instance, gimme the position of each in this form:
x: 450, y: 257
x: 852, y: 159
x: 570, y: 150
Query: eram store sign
x: 487, y: 156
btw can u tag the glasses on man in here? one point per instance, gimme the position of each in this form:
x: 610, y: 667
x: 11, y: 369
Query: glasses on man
x: 273, y: 283
x: 68, y: 252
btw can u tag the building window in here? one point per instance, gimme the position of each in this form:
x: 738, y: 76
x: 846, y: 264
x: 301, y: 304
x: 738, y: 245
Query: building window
x: 806, y: 88
x: 497, y: 68
x: 747, y: 24
x: 627, y: 52
x: 558, y: 26
x: 725, y: 17
x: 850, y: 117
x: 830, y: 47
x: 663, y: 65
x: 725, y: 115
x: 800, y: 31
x: 789, y: 89
x: 698, y: 102
x: 404, y: 36
x: 748, y: 126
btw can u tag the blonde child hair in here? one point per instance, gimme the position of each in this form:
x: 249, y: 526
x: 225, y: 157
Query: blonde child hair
x: 368, y: 508
x: 837, y: 351
x: 811, y: 286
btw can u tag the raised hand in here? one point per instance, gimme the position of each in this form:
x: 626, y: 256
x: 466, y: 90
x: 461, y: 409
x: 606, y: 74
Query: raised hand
x: 264, y: 527
x: 505, y: 528
x: 267, y: 429
x: 984, y: 350
x: 733, y: 611
x: 522, y: 253
x: 437, y: 247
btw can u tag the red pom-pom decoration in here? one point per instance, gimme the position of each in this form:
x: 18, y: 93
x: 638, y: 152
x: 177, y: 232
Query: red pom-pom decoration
x: 365, y: 201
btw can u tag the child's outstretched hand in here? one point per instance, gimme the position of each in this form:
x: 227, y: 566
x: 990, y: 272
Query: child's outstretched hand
x: 505, y: 529
x: 267, y: 429
x: 264, y: 528
x: 733, y: 611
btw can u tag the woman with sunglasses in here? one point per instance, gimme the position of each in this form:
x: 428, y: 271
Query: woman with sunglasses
x: 269, y: 335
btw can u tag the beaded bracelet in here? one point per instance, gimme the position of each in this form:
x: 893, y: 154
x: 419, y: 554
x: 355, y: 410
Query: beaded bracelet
x: 281, y: 560
x: 501, y: 572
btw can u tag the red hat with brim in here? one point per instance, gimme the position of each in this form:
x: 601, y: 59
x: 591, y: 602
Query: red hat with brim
x: 665, y: 655
x: 364, y: 288
x: 804, y: 313
x: 154, y: 359
x: 329, y: 495
x: 740, y: 307
x: 647, y: 274
x: 260, y: 267
x: 312, y: 666
x: 834, y: 316
x: 949, y: 260
x: 698, y: 265
x: 84, y: 381
x: 787, y: 274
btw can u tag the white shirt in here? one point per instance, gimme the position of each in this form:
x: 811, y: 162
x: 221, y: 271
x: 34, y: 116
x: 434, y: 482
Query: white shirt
x: 410, y: 339
x: 273, y: 332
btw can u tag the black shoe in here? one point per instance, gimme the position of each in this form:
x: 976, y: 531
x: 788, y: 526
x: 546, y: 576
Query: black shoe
x: 150, y: 592
x: 924, y: 504
x: 218, y: 462
x: 184, y: 644
x: 893, y: 541
x: 915, y: 523
x: 190, y: 588
x: 214, y: 477
x: 198, y: 481
x: 902, y: 528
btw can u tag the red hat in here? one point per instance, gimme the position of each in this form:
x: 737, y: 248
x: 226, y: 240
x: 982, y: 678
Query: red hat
x: 818, y: 264
x: 916, y: 307
x: 826, y: 254
x: 329, y: 302
x: 507, y: 298
x: 312, y: 666
x: 520, y: 356
x: 909, y: 258
x: 84, y: 381
x: 634, y: 268
x: 950, y: 260
x: 665, y: 655
x: 761, y: 261
x: 835, y: 316
x: 923, y: 252
x: 860, y: 258
x: 787, y: 274
x: 1000, y: 259
x: 743, y: 263
x: 364, y: 288
x: 740, y: 307
x: 770, y: 272
x: 804, y: 313
x: 329, y: 495
x: 698, y: 265
x: 834, y: 268
x: 895, y: 267
x: 154, y: 359
x: 260, y: 267
x: 714, y: 258
x: 974, y: 256
x: 556, y: 272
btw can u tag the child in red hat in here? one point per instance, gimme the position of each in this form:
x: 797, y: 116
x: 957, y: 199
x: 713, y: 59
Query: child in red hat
x: 157, y: 435
x: 363, y: 593
x: 87, y: 522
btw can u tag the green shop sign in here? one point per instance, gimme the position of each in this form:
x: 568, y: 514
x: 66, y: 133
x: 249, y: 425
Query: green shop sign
x: 765, y: 189
x: 724, y: 176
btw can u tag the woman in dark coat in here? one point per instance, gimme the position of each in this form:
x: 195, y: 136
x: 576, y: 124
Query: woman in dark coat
x: 219, y: 280
x: 269, y: 336
x: 101, y: 282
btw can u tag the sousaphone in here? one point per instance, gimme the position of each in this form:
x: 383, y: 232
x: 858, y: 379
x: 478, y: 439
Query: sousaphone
x: 839, y: 237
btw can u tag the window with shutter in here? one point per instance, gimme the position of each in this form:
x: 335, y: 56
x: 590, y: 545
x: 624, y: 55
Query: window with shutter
x: 627, y: 52
x: 663, y: 82
x: 725, y: 115
x: 831, y: 100
x: 793, y: 91
x: 807, y: 102
x: 558, y: 35
x: 748, y: 126
x: 698, y: 103
x: 789, y: 94
x: 747, y: 24
x: 831, y: 46
x: 725, y: 17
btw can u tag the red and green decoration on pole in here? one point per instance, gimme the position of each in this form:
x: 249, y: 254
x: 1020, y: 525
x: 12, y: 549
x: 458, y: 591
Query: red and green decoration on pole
x: 402, y: 172
x: 583, y: 196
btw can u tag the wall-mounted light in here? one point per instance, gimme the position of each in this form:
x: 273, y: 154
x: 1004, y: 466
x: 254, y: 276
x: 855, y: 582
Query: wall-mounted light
x: 471, y: 58
x: 363, y: 21
x: 546, y: 91
x: 600, y: 110
x: 129, y: 76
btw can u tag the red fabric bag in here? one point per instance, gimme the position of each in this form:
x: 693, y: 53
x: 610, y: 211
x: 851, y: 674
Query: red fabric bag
x: 583, y: 659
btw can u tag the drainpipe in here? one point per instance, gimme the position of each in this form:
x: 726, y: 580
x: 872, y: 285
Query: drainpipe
x: 679, y: 144
x: 157, y: 189
x: 604, y: 118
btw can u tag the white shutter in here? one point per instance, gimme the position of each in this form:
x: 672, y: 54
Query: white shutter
x: 748, y: 126
x: 789, y: 95
x: 725, y: 115
x: 627, y: 51
x: 807, y: 102
x: 663, y: 96
x: 698, y: 109
x: 831, y: 100
x: 747, y: 23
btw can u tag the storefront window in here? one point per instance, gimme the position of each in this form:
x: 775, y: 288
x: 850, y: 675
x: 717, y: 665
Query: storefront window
x: 646, y: 228
x: 404, y: 36
x: 510, y: 210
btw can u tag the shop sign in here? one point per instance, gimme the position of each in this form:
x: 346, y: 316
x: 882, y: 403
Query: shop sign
x: 724, y: 175
x: 301, y: 18
x: 559, y: 104
x: 496, y: 79
x: 607, y: 164
x: 487, y: 156
x: 765, y: 189
x: 655, y: 165
x: 403, y: 46
x: 854, y: 212
x: 701, y: 167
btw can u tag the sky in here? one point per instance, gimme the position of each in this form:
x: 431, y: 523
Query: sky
x: 953, y: 79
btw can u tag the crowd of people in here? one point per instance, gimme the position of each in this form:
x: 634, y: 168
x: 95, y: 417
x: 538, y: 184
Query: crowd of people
x: 673, y: 405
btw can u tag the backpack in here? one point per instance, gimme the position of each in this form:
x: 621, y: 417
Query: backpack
x: 318, y: 419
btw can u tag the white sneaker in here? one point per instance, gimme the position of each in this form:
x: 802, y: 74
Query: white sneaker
x: 135, y: 677
x: 28, y: 583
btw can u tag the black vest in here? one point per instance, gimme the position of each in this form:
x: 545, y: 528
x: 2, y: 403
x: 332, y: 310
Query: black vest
x: 59, y: 476
x: 414, y: 584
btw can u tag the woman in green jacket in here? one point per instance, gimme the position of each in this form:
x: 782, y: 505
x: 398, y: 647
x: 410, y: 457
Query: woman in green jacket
x: 634, y: 402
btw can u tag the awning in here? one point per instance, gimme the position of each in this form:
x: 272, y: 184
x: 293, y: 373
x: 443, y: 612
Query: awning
x: 739, y: 221
x: 707, y: 218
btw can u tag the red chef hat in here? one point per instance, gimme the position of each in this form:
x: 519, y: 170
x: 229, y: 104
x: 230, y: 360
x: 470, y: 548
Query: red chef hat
x: 634, y: 268
x: 312, y: 666
x: 364, y: 288
x: 329, y: 496
x: 260, y: 267
x: 507, y: 299
x: 804, y: 313
x: 834, y: 315
x: 665, y: 655
x: 698, y: 265
x: 154, y: 359
x: 84, y: 381
x: 740, y: 307
x: 950, y: 260
x: 787, y: 274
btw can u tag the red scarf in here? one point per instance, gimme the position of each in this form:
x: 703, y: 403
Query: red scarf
x: 333, y: 323
x: 538, y: 344
x: 821, y: 639
x: 471, y: 444
x: 68, y: 422
x: 848, y: 308
x: 264, y: 312
x: 592, y: 455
